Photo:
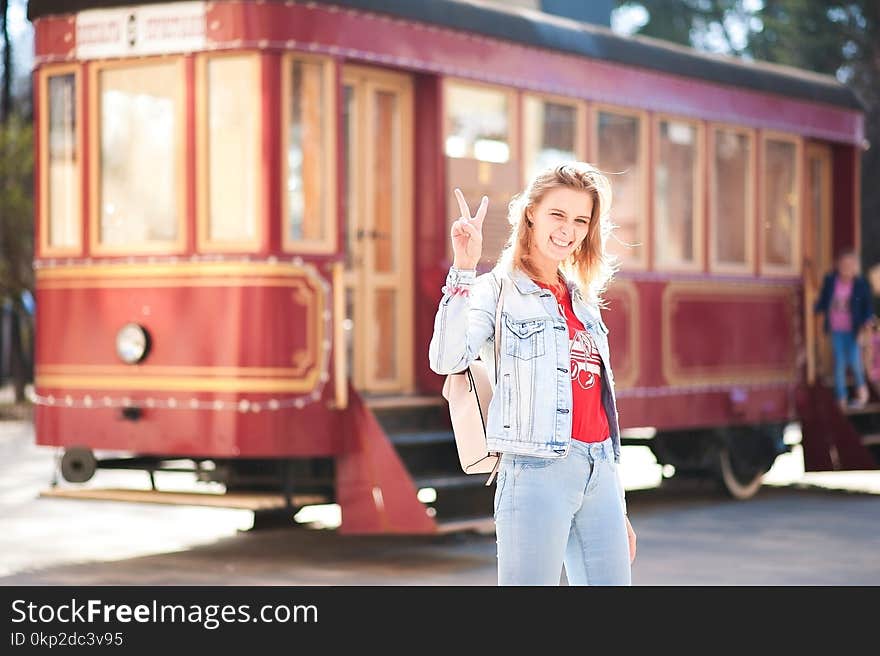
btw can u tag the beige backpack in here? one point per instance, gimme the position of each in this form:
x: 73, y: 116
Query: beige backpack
x: 468, y: 393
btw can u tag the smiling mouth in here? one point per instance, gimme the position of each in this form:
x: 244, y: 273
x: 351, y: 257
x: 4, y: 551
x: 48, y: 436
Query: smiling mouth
x: 561, y: 244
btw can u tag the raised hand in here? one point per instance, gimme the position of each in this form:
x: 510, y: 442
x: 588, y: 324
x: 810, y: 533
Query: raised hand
x: 467, y: 233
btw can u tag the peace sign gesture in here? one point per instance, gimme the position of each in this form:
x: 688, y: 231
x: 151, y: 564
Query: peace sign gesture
x: 467, y: 233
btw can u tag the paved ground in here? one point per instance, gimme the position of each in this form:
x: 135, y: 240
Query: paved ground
x: 795, y: 531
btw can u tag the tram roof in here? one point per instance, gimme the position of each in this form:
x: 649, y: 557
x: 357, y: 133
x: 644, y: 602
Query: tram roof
x: 542, y: 30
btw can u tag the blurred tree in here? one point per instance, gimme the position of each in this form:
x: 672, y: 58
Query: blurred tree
x: 16, y: 229
x: 6, y: 92
x: 16, y: 249
x: 16, y: 201
x: 715, y: 25
x: 842, y: 39
x: 839, y: 37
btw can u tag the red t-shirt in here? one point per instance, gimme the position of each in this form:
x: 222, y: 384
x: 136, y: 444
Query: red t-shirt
x: 589, y: 422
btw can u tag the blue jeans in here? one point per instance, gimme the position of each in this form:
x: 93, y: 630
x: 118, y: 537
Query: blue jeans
x: 555, y: 511
x: 846, y: 352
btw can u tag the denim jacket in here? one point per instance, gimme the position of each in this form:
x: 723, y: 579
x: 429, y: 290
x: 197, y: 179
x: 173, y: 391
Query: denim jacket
x: 860, y: 301
x: 530, y: 411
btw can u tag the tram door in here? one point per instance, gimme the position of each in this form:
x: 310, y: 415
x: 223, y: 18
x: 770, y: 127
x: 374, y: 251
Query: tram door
x: 377, y: 144
x: 818, y: 239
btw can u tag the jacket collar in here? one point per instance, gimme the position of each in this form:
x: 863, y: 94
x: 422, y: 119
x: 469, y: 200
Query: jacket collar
x: 525, y: 285
x: 523, y: 282
x: 857, y: 279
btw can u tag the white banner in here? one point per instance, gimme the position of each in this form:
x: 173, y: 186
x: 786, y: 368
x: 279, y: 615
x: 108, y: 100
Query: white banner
x: 143, y: 30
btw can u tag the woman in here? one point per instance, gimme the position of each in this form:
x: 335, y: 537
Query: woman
x: 872, y: 339
x: 845, y: 300
x: 553, y: 415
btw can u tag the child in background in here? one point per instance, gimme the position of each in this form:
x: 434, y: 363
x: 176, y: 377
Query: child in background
x: 872, y: 337
x: 845, y: 300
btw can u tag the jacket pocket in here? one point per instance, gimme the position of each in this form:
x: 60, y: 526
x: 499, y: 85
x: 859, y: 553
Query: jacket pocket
x: 524, y: 339
x: 505, y: 391
x: 499, y: 488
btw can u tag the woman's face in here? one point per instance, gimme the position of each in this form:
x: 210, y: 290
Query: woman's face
x: 559, y: 224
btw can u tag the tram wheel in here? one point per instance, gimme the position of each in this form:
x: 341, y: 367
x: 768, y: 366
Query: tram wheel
x: 275, y: 518
x: 739, y: 477
x: 78, y: 464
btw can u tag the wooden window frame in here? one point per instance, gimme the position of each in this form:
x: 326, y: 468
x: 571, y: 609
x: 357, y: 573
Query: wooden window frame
x: 327, y: 244
x: 178, y: 245
x: 580, y: 133
x: 699, y: 191
x: 514, y: 113
x: 513, y: 96
x: 772, y: 270
x: 821, y: 150
x: 45, y: 248
x: 204, y: 244
x: 715, y: 266
x: 639, y: 263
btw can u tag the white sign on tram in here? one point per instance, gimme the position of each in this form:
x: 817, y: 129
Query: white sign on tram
x: 143, y: 30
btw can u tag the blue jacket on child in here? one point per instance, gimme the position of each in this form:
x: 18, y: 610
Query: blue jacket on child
x: 860, y: 301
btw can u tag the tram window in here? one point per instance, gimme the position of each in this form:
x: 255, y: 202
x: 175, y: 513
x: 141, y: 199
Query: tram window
x: 620, y: 153
x: 781, y: 227
x: 139, y: 205
x: 731, y: 200
x: 482, y: 155
x: 61, y: 178
x: 477, y: 123
x: 307, y: 157
x: 677, y: 234
x: 229, y: 151
x: 552, y: 133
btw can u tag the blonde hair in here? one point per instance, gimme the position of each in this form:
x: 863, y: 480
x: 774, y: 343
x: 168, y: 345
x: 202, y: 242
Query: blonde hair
x: 590, y: 267
x: 874, y: 279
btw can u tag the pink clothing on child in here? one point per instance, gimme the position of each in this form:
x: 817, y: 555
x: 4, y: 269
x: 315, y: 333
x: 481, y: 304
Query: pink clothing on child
x: 840, y: 315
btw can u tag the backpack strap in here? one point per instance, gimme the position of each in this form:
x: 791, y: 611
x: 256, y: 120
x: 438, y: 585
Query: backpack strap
x: 498, y: 308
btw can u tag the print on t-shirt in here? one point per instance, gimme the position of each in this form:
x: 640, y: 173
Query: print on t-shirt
x: 586, y: 363
x: 840, y: 301
x: 840, y: 316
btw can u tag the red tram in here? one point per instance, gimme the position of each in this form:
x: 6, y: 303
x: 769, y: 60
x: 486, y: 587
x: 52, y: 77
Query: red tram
x: 242, y: 227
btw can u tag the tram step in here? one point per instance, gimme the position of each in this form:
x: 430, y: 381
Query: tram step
x: 476, y: 524
x: 412, y: 418
x: 421, y: 437
x: 397, y: 401
x: 867, y: 409
x: 239, y: 500
x: 446, y: 481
